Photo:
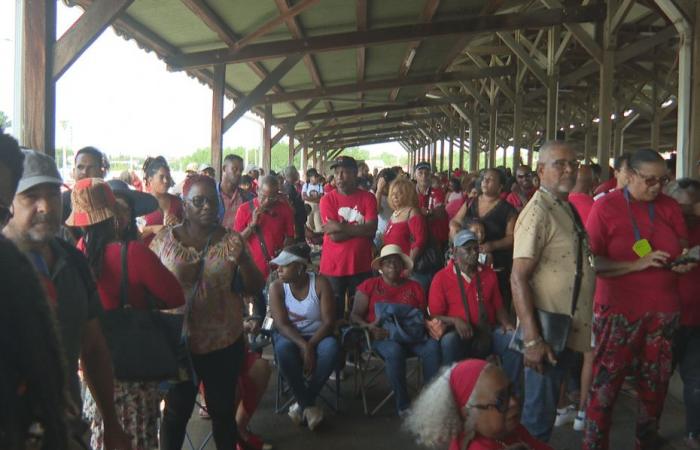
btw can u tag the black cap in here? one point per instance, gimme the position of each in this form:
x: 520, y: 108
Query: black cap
x: 422, y: 165
x: 344, y: 161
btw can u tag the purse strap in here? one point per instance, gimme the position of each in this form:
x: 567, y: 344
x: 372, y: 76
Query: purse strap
x: 258, y: 233
x: 483, y: 317
x: 578, y: 277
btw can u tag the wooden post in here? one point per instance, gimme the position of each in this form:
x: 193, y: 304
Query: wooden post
x: 450, y: 153
x: 38, y: 129
x: 474, y: 142
x: 304, y: 158
x: 492, y: 134
x: 695, y: 93
x: 607, y: 71
x: 461, y: 144
x: 290, y: 159
x: 433, y: 155
x: 217, y: 119
x: 267, y: 137
x: 530, y: 154
x: 617, y: 138
x: 588, y: 142
x: 552, y: 83
x: 442, y: 154
x: 314, y: 159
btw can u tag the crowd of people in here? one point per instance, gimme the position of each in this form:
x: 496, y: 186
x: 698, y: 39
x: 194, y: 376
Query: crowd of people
x: 530, y: 298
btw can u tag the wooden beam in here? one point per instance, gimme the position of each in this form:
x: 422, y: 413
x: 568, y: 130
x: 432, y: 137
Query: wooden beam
x: 402, y: 33
x: 330, y: 91
x: 84, y: 31
x: 267, y: 135
x: 524, y: 56
x: 217, y: 119
x: 361, y: 12
x: 366, y: 132
x: 290, y: 158
x: 382, y: 121
x: 270, y: 25
x: 378, y: 109
x: 38, y: 128
x: 622, y: 11
x: 642, y: 46
x: 244, y: 104
x: 502, y: 85
x: 581, y: 35
x: 299, y: 117
x: 426, y: 16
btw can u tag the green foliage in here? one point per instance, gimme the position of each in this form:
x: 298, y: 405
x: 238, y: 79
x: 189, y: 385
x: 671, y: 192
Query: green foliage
x: 4, y: 121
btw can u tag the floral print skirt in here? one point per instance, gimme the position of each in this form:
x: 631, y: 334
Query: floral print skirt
x: 138, y: 408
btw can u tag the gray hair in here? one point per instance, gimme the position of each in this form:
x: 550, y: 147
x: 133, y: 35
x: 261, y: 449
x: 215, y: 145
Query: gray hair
x: 290, y: 171
x: 547, y: 148
x: 434, y: 418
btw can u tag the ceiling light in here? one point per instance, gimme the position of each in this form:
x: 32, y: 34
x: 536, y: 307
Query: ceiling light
x: 613, y: 116
x: 628, y: 113
x: 433, y: 96
x: 411, y: 55
x: 596, y: 120
x: 668, y: 102
x: 572, y: 126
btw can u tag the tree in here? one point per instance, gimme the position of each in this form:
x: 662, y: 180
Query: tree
x: 5, y: 122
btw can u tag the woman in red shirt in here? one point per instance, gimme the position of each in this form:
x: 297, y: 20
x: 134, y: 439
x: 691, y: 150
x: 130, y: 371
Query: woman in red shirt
x: 158, y: 180
x: 407, y: 226
x: 94, y: 206
x: 392, y: 286
x: 634, y: 233
x: 470, y: 406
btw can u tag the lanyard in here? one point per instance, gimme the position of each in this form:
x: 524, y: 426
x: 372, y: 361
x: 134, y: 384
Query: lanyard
x: 635, y: 227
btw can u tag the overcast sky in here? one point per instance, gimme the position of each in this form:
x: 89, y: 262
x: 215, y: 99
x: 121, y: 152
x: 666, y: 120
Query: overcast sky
x: 122, y: 100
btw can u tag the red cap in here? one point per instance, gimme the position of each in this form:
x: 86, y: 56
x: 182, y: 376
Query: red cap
x: 463, y: 378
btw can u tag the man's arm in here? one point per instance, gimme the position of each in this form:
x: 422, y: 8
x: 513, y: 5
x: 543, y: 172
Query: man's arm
x: 98, y: 372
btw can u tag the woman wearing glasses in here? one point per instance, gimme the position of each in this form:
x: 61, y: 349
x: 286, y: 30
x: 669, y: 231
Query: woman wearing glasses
x: 206, y: 259
x: 636, y: 234
x: 486, y: 416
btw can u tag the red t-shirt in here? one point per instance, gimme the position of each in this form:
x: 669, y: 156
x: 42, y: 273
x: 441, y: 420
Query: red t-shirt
x: 689, y: 286
x: 583, y: 204
x: 328, y: 188
x: 520, y: 435
x: 445, y: 298
x: 157, y: 217
x: 514, y: 199
x: 276, y: 224
x: 377, y: 290
x: 146, y: 274
x: 611, y: 235
x: 352, y: 256
x: 453, y: 207
x: 408, y: 234
x: 606, y: 186
x: 432, y: 199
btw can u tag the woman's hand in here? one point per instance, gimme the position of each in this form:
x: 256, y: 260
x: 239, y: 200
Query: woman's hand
x: 657, y: 258
x: 536, y: 356
x: 463, y: 329
x: 238, y: 247
x: 684, y: 268
x: 309, y: 356
x: 378, y: 333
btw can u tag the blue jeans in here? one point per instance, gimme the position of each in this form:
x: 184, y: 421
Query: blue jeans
x: 542, y: 395
x: 395, y: 354
x: 454, y: 349
x: 687, y: 353
x: 291, y: 366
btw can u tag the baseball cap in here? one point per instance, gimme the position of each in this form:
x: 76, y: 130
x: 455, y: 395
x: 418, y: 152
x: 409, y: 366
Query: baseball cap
x: 344, y: 161
x: 192, y: 167
x: 205, y: 166
x: 93, y: 202
x: 39, y: 168
x: 464, y: 237
x: 422, y: 165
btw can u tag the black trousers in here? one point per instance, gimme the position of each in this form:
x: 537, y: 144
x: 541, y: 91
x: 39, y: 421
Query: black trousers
x: 343, y: 285
x: 219, y: 372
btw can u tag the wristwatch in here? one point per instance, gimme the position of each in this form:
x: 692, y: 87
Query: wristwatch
x: 532, y: 343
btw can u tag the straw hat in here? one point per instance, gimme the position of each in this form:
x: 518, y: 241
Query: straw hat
x: 392, y: 249
x: 93, y: 202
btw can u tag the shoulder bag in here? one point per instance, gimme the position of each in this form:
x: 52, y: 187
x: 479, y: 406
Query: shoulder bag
x: 143, y: 343
x: 555, y: 327
x: 431, y: 259
x: 481, y: 342
x: 405, y: 323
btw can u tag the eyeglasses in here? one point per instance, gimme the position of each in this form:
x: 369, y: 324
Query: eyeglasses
x: 562, y: 163
x: 527, y: 175
x: 6, y: 214
x: 199, y: 201
x: 502, y: 401
x: 652, y: 180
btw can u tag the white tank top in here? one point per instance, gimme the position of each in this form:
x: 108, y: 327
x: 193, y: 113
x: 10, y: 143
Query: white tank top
x: 304, y: 314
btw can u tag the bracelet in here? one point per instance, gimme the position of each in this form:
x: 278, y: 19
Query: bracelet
x: 532, y: 343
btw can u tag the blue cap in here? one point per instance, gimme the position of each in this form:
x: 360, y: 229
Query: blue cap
x: 464, y: 237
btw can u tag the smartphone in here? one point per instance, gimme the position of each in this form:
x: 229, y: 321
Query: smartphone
x: 267, y: 323
x: 691, y: 256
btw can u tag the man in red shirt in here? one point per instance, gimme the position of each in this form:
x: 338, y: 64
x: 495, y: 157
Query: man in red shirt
x: 621, y: 166
x: 266, y: 223
x: 580, y: 195
x: 230, y: 195
x: 349, y: 217
x: 519, y: 197
x: 687, y: 343
x: 431, y: 201
x: 482, y: 295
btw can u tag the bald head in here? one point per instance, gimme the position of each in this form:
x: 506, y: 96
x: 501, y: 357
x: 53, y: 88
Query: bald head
x: 557, y: 167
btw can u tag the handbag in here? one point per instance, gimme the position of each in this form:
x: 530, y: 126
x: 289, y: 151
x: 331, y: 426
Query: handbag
x: 481, y: 341
x: 405, y: 323
x: 142, y: 343
x: 431, y: 259
x: 555, y: 327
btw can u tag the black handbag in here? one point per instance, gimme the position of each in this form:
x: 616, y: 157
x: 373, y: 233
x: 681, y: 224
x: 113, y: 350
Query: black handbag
x: 556, y: 327
x: 432, y: 258
x: 143, y: 343
x: 481, y: 342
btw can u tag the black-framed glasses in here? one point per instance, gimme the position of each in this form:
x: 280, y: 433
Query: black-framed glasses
x: 652, y: 180
x: 6, y: 214
x: 561, y: 164
x: 502, y: 401
x: 525, y: 175
x: 199, y: 201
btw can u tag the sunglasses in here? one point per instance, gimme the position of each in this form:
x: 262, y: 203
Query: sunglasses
x: 527, y: 175
x: 652, y: 180
x: 199, y: 201
x: 562, y: 163
x: 502, y: 401
x: 6, y: 213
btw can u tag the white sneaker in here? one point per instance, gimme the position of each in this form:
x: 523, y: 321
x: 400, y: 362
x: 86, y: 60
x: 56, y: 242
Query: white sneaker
x: 565, y: 415
x: 295, y: 414
x: 331, y: 377
x: 313, y: 416
x: 580, y: 421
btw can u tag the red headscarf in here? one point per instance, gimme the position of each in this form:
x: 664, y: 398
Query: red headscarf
x: 463, y: 379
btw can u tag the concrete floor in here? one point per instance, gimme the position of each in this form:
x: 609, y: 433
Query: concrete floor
x: 350, y: 429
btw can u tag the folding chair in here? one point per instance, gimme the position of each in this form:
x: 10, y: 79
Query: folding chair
x: 164, y: 387
x: 284, y: 396
x: 371, y: 367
